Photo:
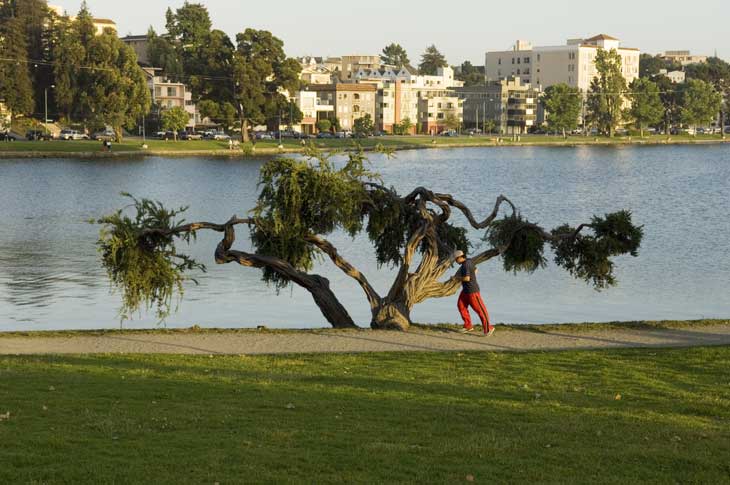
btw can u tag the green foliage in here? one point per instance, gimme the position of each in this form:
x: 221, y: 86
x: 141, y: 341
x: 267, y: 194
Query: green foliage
x: 523, y: 246
x: 174, y: 119
x: 394, y: 55
x: 587, y: 257
x: 141, y: 259
x: 606, y: 96
x: 301, y: 197
x: 162, y: 53
x: 324, y: 125
x: 16, y: 87
x: 699, y: 102
x: 452, y: 122
x: 472, y: 76
x: 649, y: 66
x: 364, y: 125
x: 431, y: 61
x: 404, y: 127
x: 563, y: 105
x: 646, y: 103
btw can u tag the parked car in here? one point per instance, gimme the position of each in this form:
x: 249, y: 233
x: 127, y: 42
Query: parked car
x: 221, y: 136
x: 72, y: 135
x: 379, y: 133
x: 325, y: 134
x: 191, y: 135
x: 449, y: 133
x: 105, y: 135
x: 9, y: 136
x: 32, y: 135
x: 263, y: 135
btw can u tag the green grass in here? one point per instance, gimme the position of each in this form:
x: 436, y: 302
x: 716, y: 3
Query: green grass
x: 619, y: 416
x: 271, y: 146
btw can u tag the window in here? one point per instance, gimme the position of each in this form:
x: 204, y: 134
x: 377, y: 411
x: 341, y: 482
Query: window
x: 158, y: 91
x: 439, y: 106
x: 440, y: 116
x: 538, y: 58
x: 527, y: 60
x: 450, y: 105
x: 356, y: 96
x: 513, y: 60
x: 356, y: 109
x: 518, y: 60
x: 518, y: 72
x: 499, y: 61
x: 171, y: 91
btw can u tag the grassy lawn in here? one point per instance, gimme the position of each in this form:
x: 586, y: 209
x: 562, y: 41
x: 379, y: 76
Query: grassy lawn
x: 628, y: 416
x: 395, y: 142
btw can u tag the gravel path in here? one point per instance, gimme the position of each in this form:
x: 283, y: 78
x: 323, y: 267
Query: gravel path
x: 294, y: 342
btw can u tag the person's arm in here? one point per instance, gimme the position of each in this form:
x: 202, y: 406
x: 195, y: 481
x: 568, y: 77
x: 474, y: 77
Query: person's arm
x: 465, y: 278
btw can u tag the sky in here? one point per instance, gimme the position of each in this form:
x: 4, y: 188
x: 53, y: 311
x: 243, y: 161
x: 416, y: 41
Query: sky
x: 462, y: 30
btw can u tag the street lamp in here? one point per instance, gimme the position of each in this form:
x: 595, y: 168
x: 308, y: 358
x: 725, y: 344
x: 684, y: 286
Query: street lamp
x: 45, y: 120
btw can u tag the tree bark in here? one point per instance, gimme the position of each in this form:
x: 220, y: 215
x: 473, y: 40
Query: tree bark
x: 244, y: 130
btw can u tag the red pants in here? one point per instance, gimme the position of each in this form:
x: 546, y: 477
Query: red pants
x: 475, y: 301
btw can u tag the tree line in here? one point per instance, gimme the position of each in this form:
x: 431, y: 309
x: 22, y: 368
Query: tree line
x: 648, y: 101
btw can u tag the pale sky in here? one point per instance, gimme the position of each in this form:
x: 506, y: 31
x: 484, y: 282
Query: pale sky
x: 462, y: 30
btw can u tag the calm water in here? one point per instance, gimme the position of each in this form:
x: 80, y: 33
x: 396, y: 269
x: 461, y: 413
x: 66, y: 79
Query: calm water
x: 50, y: 277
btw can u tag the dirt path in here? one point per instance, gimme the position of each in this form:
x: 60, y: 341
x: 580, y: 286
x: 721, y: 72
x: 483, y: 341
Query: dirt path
x: 365, y: 341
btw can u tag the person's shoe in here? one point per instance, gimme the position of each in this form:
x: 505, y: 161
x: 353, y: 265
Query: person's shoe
x: 467, y: 330
x: 491, y: 332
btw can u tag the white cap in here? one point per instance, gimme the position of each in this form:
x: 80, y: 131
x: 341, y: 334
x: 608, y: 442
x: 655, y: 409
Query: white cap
x: 458, y: 254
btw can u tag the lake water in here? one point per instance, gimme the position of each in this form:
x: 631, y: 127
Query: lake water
x: 50, y: 277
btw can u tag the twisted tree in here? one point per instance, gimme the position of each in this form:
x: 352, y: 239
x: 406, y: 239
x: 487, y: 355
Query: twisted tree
x: 302, y: 201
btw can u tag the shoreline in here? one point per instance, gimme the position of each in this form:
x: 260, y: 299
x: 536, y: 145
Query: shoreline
x: 438, y: 327
x: 269, y: 151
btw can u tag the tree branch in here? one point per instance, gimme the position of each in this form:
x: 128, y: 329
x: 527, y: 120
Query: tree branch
x: 331, y: 251
x: 449, y: 199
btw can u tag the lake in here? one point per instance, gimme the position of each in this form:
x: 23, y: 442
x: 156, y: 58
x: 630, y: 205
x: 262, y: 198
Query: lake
x: 50, y: 276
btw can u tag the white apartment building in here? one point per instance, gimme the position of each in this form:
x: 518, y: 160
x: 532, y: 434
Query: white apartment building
x: 677, y: 77
x: 572, y: 64
x: 168, y: 94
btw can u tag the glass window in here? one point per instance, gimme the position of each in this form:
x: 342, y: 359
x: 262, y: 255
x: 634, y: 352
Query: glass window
x: 171, y: 91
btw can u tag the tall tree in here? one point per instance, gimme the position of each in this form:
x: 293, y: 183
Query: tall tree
x: 699, y: 102
x: 34, y: 16
x: 668, y: 93
x: 472, y: 76
x: 562, y: 105
x: 650, y: 66
x: 304, y: 201
x: 364, y: 126
x: 174, y: 119
x: 163, y: 54
x: 646, y: 103
x: 16, y: 85
x: 608, y: 88
x: 261, y: 71
x: 395, y: 55
x: 431, y: 61
x: 717, y: 72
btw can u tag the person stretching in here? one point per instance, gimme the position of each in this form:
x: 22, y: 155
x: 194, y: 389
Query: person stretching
x: 470, y: 296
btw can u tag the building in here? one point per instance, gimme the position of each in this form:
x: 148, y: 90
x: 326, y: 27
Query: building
x: 677, y: 77
x: 349, y: 102
x: 511, y: 104
x: 436, y: 112
x: 572, y: 64
x: 400, y: 92
x: 99, y: 24
x: 683, y: 58
x: 313, y: 109
x: 140, y: 44
x: 168, y: 94
x: 350, y: 65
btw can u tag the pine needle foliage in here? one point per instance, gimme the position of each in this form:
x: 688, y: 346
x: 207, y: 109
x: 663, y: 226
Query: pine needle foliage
x: 141, y: 259
x: 309, y: 196
x: 525, y: 247
x: 587, y: 257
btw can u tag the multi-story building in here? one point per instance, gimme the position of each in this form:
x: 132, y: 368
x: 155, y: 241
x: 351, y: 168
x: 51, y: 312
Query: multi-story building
x: 352, y: 64
x: 140, y: 44
x: 437, y: 111
x: 511, y: 104
x: 349, y: 101
x: 313, y: 109
x: 400, y: 92
x: 572, y: 64
x: 677, y: 77
x: 683, y: 58
x: 168, y: 94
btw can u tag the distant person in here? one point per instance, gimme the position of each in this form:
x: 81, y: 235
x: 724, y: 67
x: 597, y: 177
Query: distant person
x: 230, y: 144
x: 470, y: 295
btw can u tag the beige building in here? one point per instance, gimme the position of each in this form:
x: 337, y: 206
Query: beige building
x: 683, y: 57
x: 352, y: 64
x: 99, y: 24
x: 168, y: 94
x: 435, y: 111
x: 349, y: 101
x: 572, y: 64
